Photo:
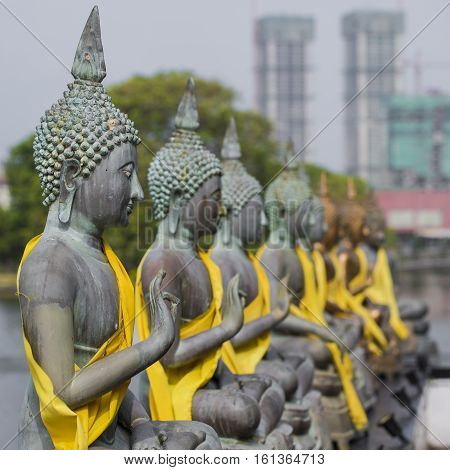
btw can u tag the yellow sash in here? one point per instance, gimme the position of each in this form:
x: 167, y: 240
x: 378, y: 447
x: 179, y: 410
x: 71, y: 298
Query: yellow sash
x: 382, y: 292
x: 77, y: 429
x: 312, y: 307
x: 335, y: 291
x: 172, y: 389
x: 243, y: 360
x: 377, y: 341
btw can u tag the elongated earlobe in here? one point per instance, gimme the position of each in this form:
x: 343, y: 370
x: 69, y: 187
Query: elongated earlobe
x: 226, y: 220
x: 174, y: 213
x: 69, y: 183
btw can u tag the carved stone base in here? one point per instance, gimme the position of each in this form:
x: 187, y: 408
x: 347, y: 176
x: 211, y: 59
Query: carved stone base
x: 335, y: 407
x: 279, y: 439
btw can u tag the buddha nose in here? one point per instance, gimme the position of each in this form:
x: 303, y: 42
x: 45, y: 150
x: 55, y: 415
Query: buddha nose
x: 137, y: 192
x: 263, y: 219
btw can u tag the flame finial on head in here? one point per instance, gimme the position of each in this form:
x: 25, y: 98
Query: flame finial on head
x: 238, y: 186
x: 187, y: 114
x: 351, y: 190
x: 231, y: 149
x: 323, y: 187
x: 89, y: 61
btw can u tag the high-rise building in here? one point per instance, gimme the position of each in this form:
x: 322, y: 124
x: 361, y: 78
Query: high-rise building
x: 283, y: 75
x: 419, y: 141
x: 371, y: 41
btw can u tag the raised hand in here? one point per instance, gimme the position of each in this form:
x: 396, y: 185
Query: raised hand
x: 282, y: 301
x: 232, y: 308
x: 162, y: 317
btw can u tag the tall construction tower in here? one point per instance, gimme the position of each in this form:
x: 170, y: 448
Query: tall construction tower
x: 283, y: 74
x: 371, y: 40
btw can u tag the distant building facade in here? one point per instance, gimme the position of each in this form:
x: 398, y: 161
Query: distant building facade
x: 371, y: 39
x: 417, y: 211
x: 283, y: 75
x: 419, y: 141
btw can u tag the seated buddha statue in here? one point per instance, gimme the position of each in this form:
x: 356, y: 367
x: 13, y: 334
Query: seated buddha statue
x: 185, y: 187
x: 76, y: 300
x: 380, y: 294
x: 305, y: 227
x: 286, y: 202
x: 314, y: 303
x: 249, y: 351
x: 407, y: 316
x: 346, y: 324
x: 355, y: 273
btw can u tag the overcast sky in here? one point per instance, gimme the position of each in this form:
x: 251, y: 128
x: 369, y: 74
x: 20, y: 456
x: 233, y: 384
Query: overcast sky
x: 212, y: 38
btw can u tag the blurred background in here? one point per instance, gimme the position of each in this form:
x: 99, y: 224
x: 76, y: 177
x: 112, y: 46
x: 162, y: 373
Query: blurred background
x: 362, y: 87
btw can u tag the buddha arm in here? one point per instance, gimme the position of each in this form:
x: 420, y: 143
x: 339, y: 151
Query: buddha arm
x: 132, y: 412
x: 298, y: 326
x: 254, y: 329
x: 257, y: 327
x: 291, y: 324
x: 49, y: 328
x: 185, y: 351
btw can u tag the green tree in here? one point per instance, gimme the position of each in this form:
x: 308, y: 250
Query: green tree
x: 151, y: 102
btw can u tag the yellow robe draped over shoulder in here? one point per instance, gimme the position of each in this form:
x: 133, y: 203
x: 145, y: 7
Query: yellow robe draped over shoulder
x: 374, y: 334
x: 245, y: 358
x: 336, y: 286
x: 172, y: 389
x: 382, y: 292
x: 77, y: 429
x: 312, y: 307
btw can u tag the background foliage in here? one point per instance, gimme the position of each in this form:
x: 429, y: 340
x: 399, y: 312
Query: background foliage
x: 151, y: 102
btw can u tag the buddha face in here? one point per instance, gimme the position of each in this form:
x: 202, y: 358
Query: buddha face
x: 374, y: 231
x: 201, y: 214
x: 352, y: 222
x: 330, y: 237
x: 310, y: 221
x: 249, y: 222
x: 315, y: 225
x: 107, y: 197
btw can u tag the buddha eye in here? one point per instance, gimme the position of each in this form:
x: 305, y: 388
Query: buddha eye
x: 128, y: 170
x: 127, y: 173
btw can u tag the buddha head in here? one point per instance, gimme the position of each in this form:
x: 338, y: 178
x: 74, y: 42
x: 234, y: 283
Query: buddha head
x: 314, y: 227
x: 375, y: 230
x: 241, y: 193
x: 85, y: 148
x: 331, y: 213
x: 352, y: 217
x: 184, y: 177
x: 287, y: 199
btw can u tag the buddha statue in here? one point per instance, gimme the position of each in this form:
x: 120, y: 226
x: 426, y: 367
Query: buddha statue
x: 249, y: 351
x: 311, y: 306
x: 346, y: 324
x: 407, y: 316
x: 354, y: 270
x: 76, y: 300
x: 185, y: 187
x: 380, y: 294
x: 286, y: 203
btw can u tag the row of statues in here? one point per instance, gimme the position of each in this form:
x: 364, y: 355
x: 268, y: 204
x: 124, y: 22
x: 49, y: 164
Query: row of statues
x: 237, y: 348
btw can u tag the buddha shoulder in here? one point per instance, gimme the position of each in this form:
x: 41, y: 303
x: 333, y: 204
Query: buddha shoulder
x: 48, y: 275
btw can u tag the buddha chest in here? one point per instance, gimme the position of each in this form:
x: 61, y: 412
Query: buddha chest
x: 292, y: 268
x: 248, y: 280
x: 96, y: 306
x: 195, y: 286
